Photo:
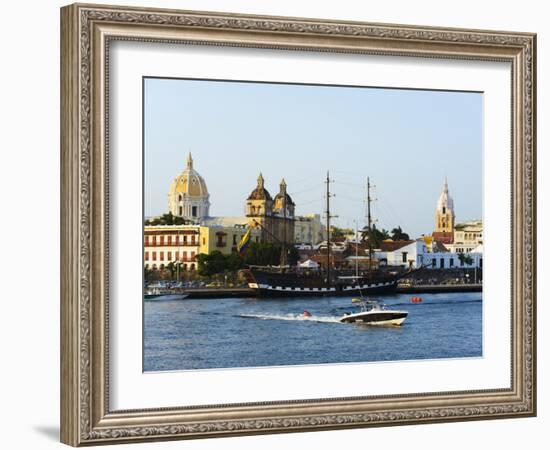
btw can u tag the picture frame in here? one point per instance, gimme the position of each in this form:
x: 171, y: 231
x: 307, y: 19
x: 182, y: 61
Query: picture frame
x: 87, y: 31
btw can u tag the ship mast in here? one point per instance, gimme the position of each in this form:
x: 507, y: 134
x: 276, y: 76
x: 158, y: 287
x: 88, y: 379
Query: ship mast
x: 328, y: 194
x: 369, y: 223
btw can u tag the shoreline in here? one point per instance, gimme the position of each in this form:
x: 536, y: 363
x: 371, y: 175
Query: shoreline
x: 215, y: 293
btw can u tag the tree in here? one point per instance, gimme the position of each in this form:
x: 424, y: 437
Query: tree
x: 216, y: 262
x: 172, y: 268
x: 376, y: 236
x: 167, y: 219
x: 263, y: 254
x: 465, y: 259
x: 398, y: 235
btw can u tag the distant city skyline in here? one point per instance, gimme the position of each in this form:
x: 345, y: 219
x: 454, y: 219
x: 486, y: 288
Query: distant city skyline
x: 406, y: 141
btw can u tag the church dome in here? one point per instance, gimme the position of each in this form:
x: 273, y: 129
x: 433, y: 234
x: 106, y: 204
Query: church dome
x: 189, y: 183
x: 260, y: 192
x: 445, y: 199
x: 188, y: 195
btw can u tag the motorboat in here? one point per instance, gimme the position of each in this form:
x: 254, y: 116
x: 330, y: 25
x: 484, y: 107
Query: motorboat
x: 157, y: 293
x: 372, y: 312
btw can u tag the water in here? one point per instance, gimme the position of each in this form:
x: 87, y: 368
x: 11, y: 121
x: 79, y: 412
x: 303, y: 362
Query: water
x: 232, y: 332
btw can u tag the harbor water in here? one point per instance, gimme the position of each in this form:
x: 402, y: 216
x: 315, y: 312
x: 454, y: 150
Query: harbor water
x: 248, y: 332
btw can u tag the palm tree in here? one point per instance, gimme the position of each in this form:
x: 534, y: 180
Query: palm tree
x: 465, y: 259
x: 398, y: 235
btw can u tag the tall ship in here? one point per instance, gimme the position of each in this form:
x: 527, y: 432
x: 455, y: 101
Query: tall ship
x: 286, y: 281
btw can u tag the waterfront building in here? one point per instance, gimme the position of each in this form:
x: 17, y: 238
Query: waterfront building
x: 188, y: 195
x: 444, y: 217
x: 165, y: 244
x: 308, y: 229
x: 415, y: 254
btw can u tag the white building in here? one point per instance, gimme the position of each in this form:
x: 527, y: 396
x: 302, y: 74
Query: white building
x: 415, y: 254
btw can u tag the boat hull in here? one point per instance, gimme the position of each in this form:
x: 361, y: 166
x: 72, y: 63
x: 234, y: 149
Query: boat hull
x: 158, y: 297
x: 268, y: 290
x: 385, y: 318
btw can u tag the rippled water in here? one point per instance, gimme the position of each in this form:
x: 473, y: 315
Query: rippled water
x: 224, y: 333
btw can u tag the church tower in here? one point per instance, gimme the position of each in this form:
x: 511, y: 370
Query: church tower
x: 259, y: 210
x: 444, y: 217
x: 283, y: 210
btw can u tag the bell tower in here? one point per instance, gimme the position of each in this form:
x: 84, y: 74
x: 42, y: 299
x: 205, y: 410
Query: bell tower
x: 444, y: 216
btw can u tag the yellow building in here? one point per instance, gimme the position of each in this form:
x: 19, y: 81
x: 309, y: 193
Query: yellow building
x: 224, y: 239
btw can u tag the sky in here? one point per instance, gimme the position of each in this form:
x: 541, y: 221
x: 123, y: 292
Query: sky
x: 406, y: 141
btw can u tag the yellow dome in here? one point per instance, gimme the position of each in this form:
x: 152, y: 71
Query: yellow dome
x: 189, y: 182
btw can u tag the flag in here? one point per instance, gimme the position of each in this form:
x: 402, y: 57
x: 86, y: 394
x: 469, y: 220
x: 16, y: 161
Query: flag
x: 243, y: 244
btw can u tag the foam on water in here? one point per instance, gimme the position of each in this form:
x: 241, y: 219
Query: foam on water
x: 298, y: 317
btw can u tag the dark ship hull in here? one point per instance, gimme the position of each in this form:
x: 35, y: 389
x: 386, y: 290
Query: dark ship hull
x: 293, y: 284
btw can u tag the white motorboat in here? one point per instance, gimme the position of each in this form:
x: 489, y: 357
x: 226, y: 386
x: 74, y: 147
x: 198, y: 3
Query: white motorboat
x: 157, y: 293
x: 372, y: 312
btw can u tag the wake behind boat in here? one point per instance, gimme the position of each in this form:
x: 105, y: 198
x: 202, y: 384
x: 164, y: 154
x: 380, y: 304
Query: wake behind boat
x: 372, y: 312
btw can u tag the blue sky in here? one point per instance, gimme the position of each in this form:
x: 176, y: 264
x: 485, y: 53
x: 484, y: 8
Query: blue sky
x: 406, y: 141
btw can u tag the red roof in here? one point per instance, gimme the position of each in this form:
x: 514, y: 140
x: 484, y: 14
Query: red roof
x: 391, y: 246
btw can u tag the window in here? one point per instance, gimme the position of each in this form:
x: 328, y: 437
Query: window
x: 177, y: 256
x: 194, y: 211
x: 154, y: 256
x: 169, y: 256
x: 192, y: 257
x: 203, y: 241
x: 169, y: 240
x: 192, y: 267
x: 433, y: 262
x: 161, y: 256
x: 154, y: 240
x: 184, y: 256
x: 443, y: 210
x: 404, y: 257
x: 146, y: 258
x: 146, y: 240
x: 180, y: 211
x: 161, y: 240
x: 441, y: 263
x: 193, y: 240
x: 234, y: 239
x: 451, y: 262
x: 185, y: 240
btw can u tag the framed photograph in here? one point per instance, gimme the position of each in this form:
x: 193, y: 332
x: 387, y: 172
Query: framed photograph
x: 276, y: 224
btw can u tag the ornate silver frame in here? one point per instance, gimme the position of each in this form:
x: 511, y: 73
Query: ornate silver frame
x: 86, y: 31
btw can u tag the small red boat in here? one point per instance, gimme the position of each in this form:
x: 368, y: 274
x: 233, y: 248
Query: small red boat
x: 416, y: 300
